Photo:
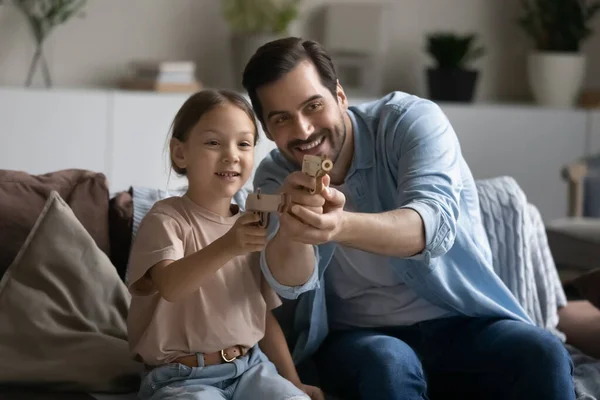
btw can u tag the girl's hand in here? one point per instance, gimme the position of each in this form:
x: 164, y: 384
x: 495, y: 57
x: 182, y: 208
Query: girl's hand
x: 245, y: 236
x: 313, y: 392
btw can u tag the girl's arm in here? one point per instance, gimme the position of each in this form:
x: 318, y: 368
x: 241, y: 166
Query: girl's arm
x: 176, y: 279
x: 275, y: 347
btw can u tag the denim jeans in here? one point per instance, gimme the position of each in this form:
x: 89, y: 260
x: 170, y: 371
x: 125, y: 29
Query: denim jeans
x: 472, y: 358
x: 246, y: 378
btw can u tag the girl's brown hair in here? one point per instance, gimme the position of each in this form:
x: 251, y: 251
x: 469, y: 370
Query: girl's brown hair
x: 199, y: 104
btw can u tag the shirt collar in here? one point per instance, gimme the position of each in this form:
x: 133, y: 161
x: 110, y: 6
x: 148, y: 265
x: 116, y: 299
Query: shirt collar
x: 363, y: 143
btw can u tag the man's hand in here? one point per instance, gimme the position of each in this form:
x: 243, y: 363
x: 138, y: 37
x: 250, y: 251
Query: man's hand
x: 305, y: 225
x: 313, y: 392
x: 296, y: 186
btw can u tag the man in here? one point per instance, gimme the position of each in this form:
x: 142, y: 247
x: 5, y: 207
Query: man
x: 397, y: 295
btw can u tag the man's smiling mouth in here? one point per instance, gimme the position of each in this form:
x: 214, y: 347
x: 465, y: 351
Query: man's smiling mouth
x: 311, y: 145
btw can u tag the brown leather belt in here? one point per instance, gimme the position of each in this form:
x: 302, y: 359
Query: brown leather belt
x: 224, y: 356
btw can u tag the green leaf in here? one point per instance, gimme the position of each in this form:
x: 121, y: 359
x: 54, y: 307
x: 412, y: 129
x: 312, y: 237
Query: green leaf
x: 453, y: 51
x: 557, y: 25
x: 260, y: 16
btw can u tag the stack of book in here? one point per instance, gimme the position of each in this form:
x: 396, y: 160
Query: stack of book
x: 166, y: 76
x: 590, y: 99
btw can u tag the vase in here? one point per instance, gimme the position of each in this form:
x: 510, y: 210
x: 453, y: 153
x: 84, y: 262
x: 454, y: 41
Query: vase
x: 451, y: 84
x: 39, y: 59
x: 555, y: 78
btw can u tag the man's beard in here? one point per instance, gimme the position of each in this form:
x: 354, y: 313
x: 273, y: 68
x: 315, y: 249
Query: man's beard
x: 336, y: 148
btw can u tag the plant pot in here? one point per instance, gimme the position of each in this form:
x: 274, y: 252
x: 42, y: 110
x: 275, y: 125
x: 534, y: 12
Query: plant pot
x: 243, y: 47
x: 451, y: 84
x: 556, y: 78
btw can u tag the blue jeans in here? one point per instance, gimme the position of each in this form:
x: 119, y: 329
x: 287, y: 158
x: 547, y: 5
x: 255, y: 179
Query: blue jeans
x: 471, y: 358
x: 246, y: 378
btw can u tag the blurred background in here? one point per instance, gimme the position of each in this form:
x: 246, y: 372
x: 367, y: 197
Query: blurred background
x: 89, y: 88
x: 95, y: 47
x: 95, y: 84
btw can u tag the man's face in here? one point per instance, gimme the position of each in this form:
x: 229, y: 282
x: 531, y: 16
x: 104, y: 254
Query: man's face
x: 302, y: 116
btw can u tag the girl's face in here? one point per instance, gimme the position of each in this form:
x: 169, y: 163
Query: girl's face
x: 218, y: 154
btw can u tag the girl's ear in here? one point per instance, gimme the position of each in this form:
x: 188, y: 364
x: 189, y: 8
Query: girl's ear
x: 177, y: 153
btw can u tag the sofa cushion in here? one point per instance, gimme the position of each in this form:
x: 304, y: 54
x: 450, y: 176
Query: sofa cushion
x: 22, y: 198
x: 120, y: 228
x: 575, y: 242
x: 588, y: 286
x: 580, y: 322
x: 63, y: 311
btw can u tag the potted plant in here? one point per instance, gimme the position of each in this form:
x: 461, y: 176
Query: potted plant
x: 451, y: 79
x: 254, y: 23
x: 556, y: 67
x: 43, y: 16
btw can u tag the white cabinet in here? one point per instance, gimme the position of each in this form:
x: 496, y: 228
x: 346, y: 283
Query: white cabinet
x: 528, y: 143
x: 140, y: 127
x: 43, y: 131
x: 124, y: 135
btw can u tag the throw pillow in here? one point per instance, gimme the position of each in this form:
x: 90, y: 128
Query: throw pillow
x: 22, y: 198
x: 63, y: 311
x: 588, y: 286
x: 120, y: 228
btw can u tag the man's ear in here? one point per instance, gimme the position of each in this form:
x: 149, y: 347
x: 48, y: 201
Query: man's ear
x: 177, y: 153
x: 341, y: 95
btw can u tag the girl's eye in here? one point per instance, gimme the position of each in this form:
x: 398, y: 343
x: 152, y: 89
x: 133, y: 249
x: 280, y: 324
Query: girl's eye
x: 245, y: 144
x: 212, y: 143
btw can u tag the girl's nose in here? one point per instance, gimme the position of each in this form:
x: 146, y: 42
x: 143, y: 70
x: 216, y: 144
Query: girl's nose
x: 231, y: 156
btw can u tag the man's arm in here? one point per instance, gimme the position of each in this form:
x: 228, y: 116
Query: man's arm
x: 425, y: 151
x: 398, y: 233
x: 291, y: 268
x: 291, y: 263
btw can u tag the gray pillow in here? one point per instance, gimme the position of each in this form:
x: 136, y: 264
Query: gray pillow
x: 63, y: 311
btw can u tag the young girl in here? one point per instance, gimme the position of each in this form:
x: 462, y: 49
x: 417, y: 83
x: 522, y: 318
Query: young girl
x: 200, y: 305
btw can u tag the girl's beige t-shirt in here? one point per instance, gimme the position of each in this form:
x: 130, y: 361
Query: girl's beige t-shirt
x: 228, y: 309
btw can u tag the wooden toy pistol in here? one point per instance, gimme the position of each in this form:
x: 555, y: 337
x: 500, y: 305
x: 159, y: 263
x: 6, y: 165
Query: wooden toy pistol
x: 263, y: 204
x: 318, y: 167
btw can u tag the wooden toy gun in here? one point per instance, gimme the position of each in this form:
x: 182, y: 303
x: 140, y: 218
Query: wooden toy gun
x: 263, y: 204
x: 317, y: 167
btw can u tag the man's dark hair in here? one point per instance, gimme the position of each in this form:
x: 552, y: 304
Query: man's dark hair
x: 275, y: 59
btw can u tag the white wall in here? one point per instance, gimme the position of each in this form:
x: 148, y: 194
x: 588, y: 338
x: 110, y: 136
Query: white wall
x: 123, y: 135
x: 95, y: 50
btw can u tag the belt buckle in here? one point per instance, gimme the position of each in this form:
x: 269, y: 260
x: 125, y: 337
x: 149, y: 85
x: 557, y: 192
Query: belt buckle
x: 224, y: 357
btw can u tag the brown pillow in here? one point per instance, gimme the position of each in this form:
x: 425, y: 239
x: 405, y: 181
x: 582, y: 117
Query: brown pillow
x: 120, y: 227
x: 588, y: 286
x: 63, y: 311
x: 22, y: 198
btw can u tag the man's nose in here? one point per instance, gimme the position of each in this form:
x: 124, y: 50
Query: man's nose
x: 304, y: 127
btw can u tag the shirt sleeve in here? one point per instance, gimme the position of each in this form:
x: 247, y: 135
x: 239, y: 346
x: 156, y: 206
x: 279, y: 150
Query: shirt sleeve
x: 271, y: 298
x: 427, y: 152
x: 269, y: 178
x: 159, y: 238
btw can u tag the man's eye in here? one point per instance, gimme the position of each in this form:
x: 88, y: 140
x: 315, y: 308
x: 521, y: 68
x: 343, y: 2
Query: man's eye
x: 281, y: 119
x: 314, y: 106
